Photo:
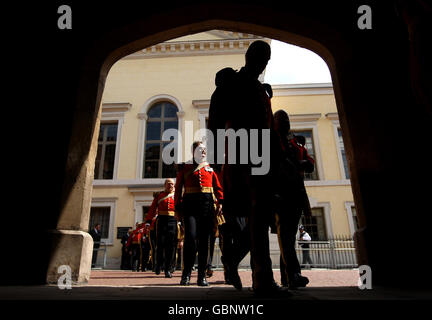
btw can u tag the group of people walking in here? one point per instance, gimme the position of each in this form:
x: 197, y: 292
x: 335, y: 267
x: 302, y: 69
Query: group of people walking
x: 228, y: 199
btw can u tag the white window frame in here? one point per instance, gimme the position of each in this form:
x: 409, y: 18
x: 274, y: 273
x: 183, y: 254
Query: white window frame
x: 310, y: 122
x: 115, y: 112
x: 334, y: 118
x: 112, y: 203
x: 139, y: 202
x: 327, y: 217
x: 348, y: 206
x: 142, y: 115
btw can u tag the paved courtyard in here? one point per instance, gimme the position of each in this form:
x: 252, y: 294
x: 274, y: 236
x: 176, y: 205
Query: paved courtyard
x: 317, y: 278
x: 114, y: 285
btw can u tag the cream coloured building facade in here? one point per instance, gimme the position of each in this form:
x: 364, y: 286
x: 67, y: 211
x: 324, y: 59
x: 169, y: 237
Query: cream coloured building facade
x: 169, y: 85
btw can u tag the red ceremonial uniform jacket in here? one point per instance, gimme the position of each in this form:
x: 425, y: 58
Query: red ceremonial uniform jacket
x: 195, y: 179
x: 302, y: 154
x: 135, y: 238
x: 163, y: 204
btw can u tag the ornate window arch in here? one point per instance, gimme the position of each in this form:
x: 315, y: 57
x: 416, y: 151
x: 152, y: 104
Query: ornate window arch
x: 159, y: 113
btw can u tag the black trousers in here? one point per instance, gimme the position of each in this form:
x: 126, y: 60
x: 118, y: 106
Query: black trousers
x: 198, y: 223
x: 259, y: 225
x: 287, y: 224
x: 234, y: 241
x: 145, y: 254
x: 95, y: 254
x: 125, y: 259
x: 306, y: 256
x: 136, y: 256
x: 166, y: 234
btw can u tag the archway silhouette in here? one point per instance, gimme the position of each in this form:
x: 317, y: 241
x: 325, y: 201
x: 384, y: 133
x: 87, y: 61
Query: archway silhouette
x: 367, y: 128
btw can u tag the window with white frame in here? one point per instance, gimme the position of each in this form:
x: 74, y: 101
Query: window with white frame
x: 342, y: 150
x: 100, y: 215
x: 161, y: 116
x: 105, y: 157
x: 315, y: 225
x: 102, y: 211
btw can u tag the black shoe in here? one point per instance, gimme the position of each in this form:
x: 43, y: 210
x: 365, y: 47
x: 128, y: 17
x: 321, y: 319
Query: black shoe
x: 202, y: 281
x: 298, y: 281
x: 185, y: 281
x: 157, y: 270
x: 168, y: 274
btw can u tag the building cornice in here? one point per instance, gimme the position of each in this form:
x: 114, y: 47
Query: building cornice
x: 302, y: 89
x: 201, y: 104
x: 232, y: 45
x: 116, y: 107
x: 333, y: 116
x: 309, y: 117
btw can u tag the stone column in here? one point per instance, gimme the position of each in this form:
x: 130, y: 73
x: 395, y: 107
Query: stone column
x: 71, y: 244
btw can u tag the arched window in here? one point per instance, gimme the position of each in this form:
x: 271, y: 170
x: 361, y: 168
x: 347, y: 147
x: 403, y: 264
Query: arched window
x: 161, y: 116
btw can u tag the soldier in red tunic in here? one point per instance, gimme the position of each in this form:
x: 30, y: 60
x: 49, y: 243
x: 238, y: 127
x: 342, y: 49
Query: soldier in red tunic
x: 133, y: 245
x: 166, y: 227
x: 202, y: 199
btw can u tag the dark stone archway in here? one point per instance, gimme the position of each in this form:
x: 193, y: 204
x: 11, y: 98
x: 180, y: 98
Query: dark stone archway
x: 378, y: 107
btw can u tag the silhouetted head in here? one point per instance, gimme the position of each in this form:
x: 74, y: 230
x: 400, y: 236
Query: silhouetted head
x: 281, y: 122
x: 257, y: 56
x: 97, y: 226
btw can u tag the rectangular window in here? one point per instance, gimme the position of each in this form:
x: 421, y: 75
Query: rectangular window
x: 315, y: 225
x: 145, y: 211
x: 355, y: 219
x: 104, y: 165
x: 342, y: 149
x: 100, y: 215
x: 311, y: 151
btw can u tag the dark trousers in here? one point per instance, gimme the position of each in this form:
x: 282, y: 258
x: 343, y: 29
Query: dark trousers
x: 136, y: 256
x: 198, y: 222
x: 287, y: 224
x: 234, y: 241
x: 95, y: 254
x: 125, y: 259
x: 306, y: 255
x: 145, y: 254
x: 166, y: 233
x: 259, y: 225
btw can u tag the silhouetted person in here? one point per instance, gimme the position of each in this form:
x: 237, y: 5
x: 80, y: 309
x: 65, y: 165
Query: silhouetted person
x: 291, y: 197
x: 125, y: 258
x: 305, y: 237
x: 240, y: 101
x: 96, y: 235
